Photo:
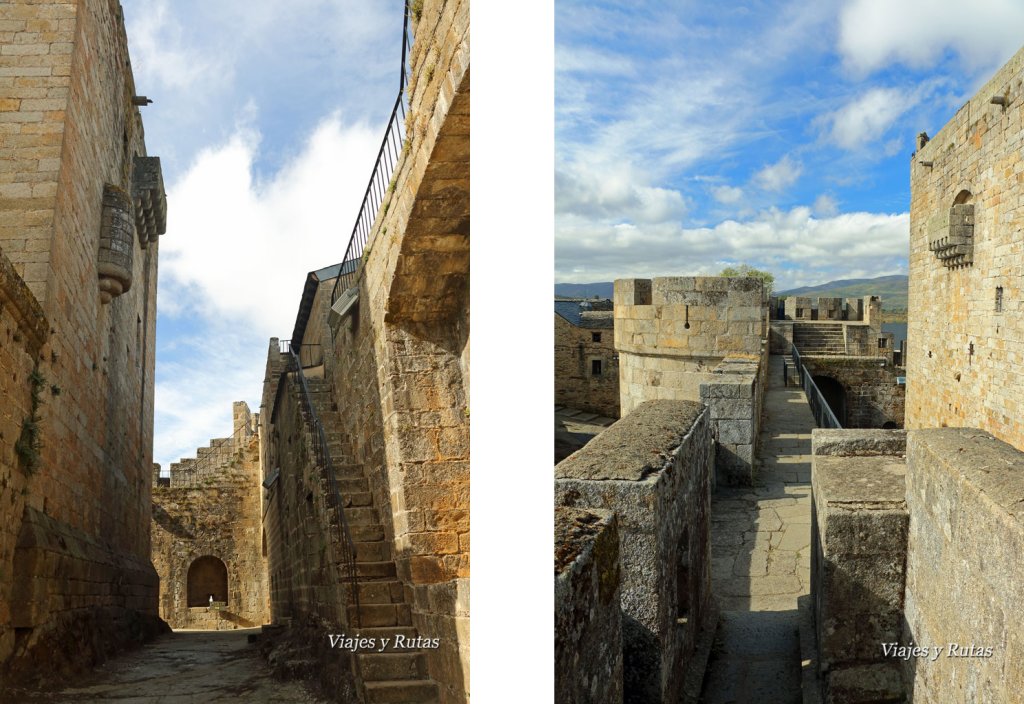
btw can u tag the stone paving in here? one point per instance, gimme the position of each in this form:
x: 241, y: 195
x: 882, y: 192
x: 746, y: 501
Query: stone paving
x: 184, y: 667
x: 760, y: 564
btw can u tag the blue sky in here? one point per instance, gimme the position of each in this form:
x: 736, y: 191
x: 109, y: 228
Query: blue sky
x: 693, y: 135
x: 267, y: 117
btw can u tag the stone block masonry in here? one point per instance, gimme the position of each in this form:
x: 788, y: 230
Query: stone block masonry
x: 735, y: 400
x: 965, y: 578
x: 653, y: 470
x: 588, y: 618
x: 396, y: 379
x: 965, y: 330
x: 586, y: 368
x: 68, y: 133
x: 872, y: 396
x: 672, y: 332
x: 212, y: 521
x: 858, y: 560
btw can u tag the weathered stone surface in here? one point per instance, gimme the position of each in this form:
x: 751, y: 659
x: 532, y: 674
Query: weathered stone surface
x: 858, y: 558
x: 635, y: 450
x: 396, y: 383
x: 872, y: 398
x: 964, y: 580
x: 858, y: 443
x: 671, y: 339
x: 76, y: 377
x: 964, y: 360
x: 662, y: 513
x: 588, y: 619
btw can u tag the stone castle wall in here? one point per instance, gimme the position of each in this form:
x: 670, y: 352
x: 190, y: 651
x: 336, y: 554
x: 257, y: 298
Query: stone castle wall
x: 966, y: 255
x: 588, y: 619
x: 653, y: 469
x: 397, y: 371
x: 965, y: 579
x: 218, y: 515
x: 576, y: 384
x: 873, y: 397
x: 671, y: 333
x: 69, y: 141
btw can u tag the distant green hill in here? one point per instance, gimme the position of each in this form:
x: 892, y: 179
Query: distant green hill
x: 892, y: 289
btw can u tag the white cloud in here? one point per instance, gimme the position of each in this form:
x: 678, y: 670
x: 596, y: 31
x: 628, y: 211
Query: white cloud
x: 792, y: 244
x: 233, y: 264
x: 778, y: 176
x: 727, y: 194
x: 876, y: 33
x: 825, y: 206
x: 241, y: 248
x: 867, y: 118
x: 161, y: 55
x: 615, y: 195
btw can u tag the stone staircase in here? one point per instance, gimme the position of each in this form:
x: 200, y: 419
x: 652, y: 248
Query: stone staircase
x: 819, y: 338
x: 398, y: 675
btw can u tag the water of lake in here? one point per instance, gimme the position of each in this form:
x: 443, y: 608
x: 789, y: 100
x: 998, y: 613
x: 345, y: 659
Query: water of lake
x: 899, y: 330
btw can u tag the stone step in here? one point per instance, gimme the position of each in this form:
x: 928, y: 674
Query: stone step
x: 392, y: 592
x: 353, y: 486
x: 366, y: 533
x: 401, y: 692
x: 381, y: 667
x: 376, y: 570
x: 376, y: 551
x: 376, y: 615
x: 359, y: 516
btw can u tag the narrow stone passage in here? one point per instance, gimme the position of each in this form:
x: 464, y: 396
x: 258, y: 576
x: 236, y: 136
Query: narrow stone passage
x: 760, y: 559
x: 183, y: 667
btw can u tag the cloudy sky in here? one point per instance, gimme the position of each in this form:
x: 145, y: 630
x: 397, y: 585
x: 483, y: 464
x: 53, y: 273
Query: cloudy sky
x: 692, y: 135
x: 267, y: 117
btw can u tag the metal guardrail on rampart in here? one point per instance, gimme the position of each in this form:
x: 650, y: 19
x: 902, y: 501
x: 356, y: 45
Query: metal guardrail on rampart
x: 332, y: 497
x: 823, y: 415
x: 380, y: 185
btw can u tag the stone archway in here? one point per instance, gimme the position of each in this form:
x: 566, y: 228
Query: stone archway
x: 835, y: 396
x: 207, y: 576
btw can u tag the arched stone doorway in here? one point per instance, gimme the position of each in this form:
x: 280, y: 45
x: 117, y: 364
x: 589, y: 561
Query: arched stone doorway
x: 207, y: 576
x: 835, y: 396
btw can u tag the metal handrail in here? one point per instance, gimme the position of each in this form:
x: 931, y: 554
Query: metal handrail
x: 194, y: 470
x: 380, y: 186
x: 332, y: 498
x: 823, y: 415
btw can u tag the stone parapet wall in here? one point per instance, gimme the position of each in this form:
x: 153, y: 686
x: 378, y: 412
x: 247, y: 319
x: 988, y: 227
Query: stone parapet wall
x: 576, y: 384
x: 735, y: 400
x: 965, y: 330
x: 653, y: 470
x: 672, y: 332
x: 873, y: 396
x: 588, y: 618
x: 965, y: 578
x: 858, y: 561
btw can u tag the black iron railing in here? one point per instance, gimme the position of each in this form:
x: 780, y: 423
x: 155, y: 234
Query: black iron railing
x: 333, y: 502
x: 823, y: 415
x: 193, y: 472
x: 381, y: 183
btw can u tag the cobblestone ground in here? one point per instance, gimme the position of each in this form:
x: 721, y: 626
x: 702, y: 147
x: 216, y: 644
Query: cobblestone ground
x: 760, y: 564
x: 184, y: 667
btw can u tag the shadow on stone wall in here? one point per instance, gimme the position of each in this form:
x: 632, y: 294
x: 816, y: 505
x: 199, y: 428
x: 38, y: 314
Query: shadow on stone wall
x: 173, y: 525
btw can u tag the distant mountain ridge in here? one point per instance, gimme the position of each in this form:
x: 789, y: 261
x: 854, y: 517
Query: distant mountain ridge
x: 893, y: 290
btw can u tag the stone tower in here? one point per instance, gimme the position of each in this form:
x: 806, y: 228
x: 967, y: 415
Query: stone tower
x: 81, y: 208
